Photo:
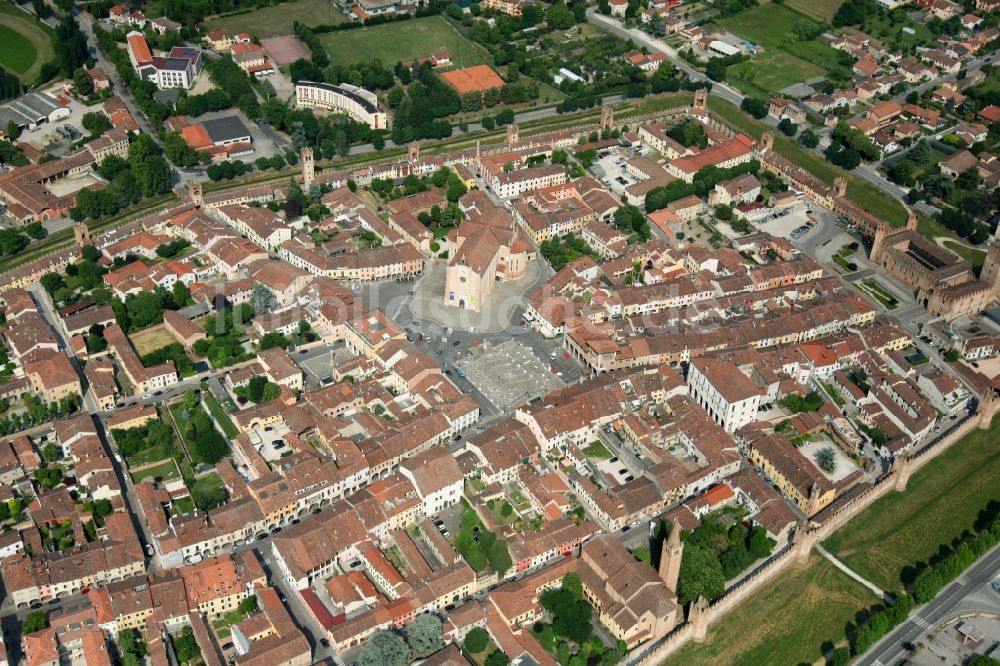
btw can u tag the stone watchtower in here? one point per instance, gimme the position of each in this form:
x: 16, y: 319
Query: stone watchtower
x: 839, y: 187
x: 700, y: 99
x: 878, y: 244
x: 513, y: 136
x: 901, y: 469
x: 308, y: 168
x: 195, y: 193
x: 991, y: 270
x: 670, y: 557
x: 81, y: 233
x: 607, y: 117
x: 413, y: 152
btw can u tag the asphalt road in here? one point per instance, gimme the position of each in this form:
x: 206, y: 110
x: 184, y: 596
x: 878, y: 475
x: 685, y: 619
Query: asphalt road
x: 949, y: 602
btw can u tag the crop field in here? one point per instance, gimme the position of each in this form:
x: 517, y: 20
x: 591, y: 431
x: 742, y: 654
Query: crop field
x: 278, y: 20
x: 395, y: 42
x: 27, y: 43
x: 819, y: 10
x: 771, y: 72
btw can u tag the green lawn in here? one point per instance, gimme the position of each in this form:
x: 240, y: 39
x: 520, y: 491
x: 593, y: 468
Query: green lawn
x: 207, y: 482
x: 150, y: 455
x: 859, y: 190
x: 277, y: 20
x: 27, y: 43
x: 791, y: 617
x: 941, y: 501
x: 182, y: 506
x: 394, y: 42
x: 219, y: 414
x: 167, y: 470
x: 596, y: 449
x: 974, y: 257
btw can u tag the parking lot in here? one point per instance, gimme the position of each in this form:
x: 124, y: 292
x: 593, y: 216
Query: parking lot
x: 791, y: 224
x: 508, y: 374
x: 610, y: 170
x: 269, y: 440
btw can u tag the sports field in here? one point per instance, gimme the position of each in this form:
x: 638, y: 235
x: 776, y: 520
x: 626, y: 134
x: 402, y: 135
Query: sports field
x: 406, y: 40
x: 278, y: 20
x: 27, y: 43
x: 765, y: 25
x: 940, y: 502
x: 791, y: 616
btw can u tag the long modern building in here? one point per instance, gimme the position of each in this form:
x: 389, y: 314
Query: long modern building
x: 358, y: 103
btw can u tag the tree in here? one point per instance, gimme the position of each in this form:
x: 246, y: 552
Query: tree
x: 95, y: 123
x: 83, y: 85
x: 787, y: 127
x: 11, y: 242
x: 51, y: 453
x: 826, y: 459
x: 497, y: 658
x: 700, y: 574
x: 754, y: 107
x: 476, y: 640
x: 425, y: 635
x: 384, y: 648
x: 262, y: 299
x: 34, y: 621
x: 808, y: 138
x: 560, y: 16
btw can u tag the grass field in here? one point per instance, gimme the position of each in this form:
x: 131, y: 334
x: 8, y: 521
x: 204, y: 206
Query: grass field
x: 941, y: 501
x: 278, y: 20
x: 820, y: 10
x: 394, y: 42
x: 858, y: 189
x: 27, y: 43
x: 166, y: 470
x: 974, y: 257
x: 771, y: 72
x: 791, y: 617
x: 151, y: 339
x: 765, y: 25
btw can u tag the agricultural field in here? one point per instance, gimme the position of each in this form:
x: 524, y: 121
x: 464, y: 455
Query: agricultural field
x: 395, y: 42
x: 818, y: 10
x: 803, y: 607
x: 151, y: 339
x: 27, y: 43
x: 941, y: 501
x: 785, y: 60
x: 770, y: 72
x: 278, y: 20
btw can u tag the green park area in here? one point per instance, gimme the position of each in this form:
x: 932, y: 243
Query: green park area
x: 766, y: 74
x: 27, y: 42
x: 792, y: 616
x: 395, y: 42
x: 941, y: 502
x: 278, y: 19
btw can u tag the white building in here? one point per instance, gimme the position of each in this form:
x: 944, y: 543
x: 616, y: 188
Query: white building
x: 437, y: 478
x: 728, y: 395
x: 358, y: 103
